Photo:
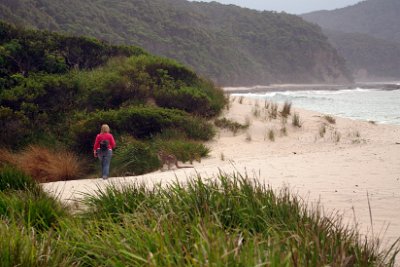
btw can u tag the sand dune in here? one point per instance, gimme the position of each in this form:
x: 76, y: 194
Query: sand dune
x: 354, y: 161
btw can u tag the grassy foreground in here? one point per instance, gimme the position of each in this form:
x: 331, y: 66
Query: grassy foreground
x: 227, y: 221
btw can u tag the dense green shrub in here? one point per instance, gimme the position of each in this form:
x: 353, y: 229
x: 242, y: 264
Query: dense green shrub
x: 134, y: 157
x: 189, y: 99
x: 141, y: 122
x: 165, y: 70
x: 184, y: 150
x: 15, y: 128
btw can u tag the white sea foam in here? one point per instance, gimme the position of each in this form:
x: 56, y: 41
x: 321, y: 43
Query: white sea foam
x: 375, y: 104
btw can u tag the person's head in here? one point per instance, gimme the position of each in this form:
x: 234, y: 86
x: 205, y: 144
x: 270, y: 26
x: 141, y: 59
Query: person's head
x: 105, y: 128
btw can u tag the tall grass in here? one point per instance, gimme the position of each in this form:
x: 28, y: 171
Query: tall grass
x: 14, y: 179
x: 228, y: 221
x: 31, y: 209
x: 22, y: 246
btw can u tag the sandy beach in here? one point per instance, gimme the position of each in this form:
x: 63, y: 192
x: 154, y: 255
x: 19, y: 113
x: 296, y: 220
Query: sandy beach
x: 353, y: 162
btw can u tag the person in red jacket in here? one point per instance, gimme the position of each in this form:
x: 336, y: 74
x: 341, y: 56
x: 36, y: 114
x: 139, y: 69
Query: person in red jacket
x: 103, y: 149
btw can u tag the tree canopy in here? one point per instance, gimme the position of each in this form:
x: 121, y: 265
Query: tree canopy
x: 230, y: 45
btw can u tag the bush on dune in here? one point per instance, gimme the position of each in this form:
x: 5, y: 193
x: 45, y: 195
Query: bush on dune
x: 184, y: 150
x: 134, y: 157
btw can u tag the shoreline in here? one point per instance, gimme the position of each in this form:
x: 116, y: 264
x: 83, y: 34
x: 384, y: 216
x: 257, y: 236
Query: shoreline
x: 309, y: 87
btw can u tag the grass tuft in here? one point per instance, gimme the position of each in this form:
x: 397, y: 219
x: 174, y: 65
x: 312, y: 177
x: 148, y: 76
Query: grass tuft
x: 271, y: 135
x: 45, y: 165
x: 286, y: 109
x: 322, y: 130
x: 330, y: 119
x: 14, y: 179
x: 296, y: 120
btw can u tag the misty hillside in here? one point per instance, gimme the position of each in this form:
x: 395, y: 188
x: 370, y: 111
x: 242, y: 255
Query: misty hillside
x: 378, y: 18
x: 367, y: 35
x: 368, y: 57
x: 230, y: 45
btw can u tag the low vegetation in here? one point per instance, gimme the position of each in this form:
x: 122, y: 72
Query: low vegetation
x: 57, y: 90
x: 233, y: 126
x: 227, y: 221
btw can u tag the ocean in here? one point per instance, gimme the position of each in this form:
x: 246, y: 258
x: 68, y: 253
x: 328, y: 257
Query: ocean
x: 372, y: 104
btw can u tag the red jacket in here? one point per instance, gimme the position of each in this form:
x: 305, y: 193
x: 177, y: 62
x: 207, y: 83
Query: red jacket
x: 104, y: 136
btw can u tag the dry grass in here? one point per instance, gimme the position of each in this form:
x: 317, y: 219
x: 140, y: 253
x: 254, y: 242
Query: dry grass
x: 322, y: 130
x: 336, y: 136
x: 271, y: 135
x: 248, y: 137
x: 284, y: 131
x: 296, y: 120
x: 7, y: 157
x: 330, y: 119
x: 273, y: 111
x: 256, y: 112
x: 45, y: 165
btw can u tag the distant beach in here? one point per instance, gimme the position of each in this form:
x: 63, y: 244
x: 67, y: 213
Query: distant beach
x: 393, y: 85
x: 370, y: 102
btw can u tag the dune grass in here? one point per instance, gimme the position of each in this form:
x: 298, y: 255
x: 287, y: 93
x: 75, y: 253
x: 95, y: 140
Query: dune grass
x: 330, y: 119
x: 231, y: 125
x: 296, y: 122
x: 231, y: 221
x: 286, y: 109
x: 228, y: 221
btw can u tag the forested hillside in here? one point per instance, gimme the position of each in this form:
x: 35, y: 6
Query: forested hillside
x: 57, y: 90
x: 367, y: 35
x: 231, y: 45
x: 368, y: 57
x: 378, y: 18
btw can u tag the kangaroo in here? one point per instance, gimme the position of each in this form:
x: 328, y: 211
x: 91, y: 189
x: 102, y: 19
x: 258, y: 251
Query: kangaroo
x: 169, y: 159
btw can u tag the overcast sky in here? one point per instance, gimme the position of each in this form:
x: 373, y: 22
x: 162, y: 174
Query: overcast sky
x: 290, y: 6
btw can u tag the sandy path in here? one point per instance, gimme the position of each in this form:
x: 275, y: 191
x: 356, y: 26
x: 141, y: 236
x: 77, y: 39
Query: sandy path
x: 338, y: 173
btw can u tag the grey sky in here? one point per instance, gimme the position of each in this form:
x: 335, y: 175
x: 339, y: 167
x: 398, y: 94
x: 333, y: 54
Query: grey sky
x: 290, y: 6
